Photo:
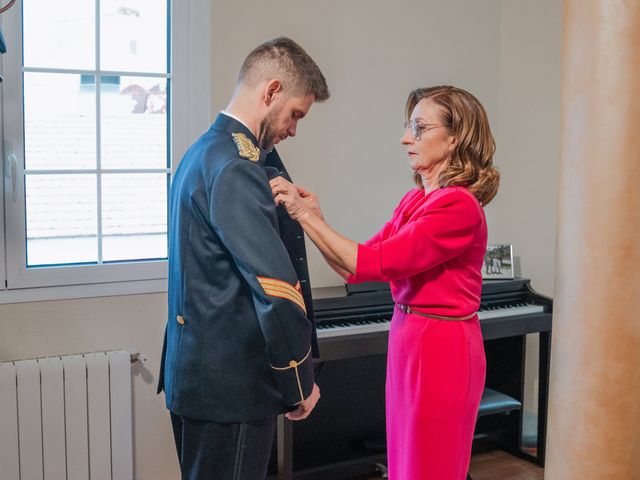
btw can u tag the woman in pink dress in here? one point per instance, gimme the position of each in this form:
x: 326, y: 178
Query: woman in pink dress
x: 431, y: 252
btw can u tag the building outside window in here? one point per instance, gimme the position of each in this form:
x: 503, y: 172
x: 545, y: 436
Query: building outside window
x: 88, y: 134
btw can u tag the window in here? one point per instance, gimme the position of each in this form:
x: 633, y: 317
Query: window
x: 91, y: 136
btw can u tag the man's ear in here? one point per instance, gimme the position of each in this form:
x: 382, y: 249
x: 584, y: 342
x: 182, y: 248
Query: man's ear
x: 271, y: 91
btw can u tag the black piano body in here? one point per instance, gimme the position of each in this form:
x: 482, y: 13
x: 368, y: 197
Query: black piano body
x: 345, y: 433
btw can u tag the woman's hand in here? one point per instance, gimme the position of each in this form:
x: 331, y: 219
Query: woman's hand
x: 298, y: 201
x: 302, y: 206
x: 311, y: 199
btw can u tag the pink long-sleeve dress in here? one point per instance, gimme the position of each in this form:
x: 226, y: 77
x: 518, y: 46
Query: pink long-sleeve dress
x: 431, y: 252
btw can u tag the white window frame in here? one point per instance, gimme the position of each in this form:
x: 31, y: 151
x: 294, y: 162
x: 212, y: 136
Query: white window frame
x: 190, y: 117
x: 3, y: 268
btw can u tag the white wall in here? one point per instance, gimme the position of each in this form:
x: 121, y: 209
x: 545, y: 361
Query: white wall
x: 506, y: 52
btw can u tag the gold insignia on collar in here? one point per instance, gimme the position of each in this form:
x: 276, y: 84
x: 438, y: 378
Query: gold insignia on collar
x: 246, y: 148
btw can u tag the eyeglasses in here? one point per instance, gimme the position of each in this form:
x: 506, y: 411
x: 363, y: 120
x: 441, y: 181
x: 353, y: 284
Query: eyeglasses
x: 417, y: 129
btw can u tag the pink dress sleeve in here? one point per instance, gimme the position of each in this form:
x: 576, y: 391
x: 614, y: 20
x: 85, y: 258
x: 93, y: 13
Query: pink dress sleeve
x: 444, y: 231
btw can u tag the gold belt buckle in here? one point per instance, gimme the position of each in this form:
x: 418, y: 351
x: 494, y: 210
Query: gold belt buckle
x: 404, y: 308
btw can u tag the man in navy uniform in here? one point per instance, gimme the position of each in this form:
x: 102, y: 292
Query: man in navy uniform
x: 238, y: 341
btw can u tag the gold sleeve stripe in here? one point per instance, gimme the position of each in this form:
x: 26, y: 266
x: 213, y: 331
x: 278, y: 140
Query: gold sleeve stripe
x: 286, y: 294
x: 291, y: 299
x: 274, y: 281
x: 293, y: 364
x: 282, y: 289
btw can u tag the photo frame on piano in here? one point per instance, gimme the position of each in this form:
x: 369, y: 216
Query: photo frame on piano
x: 498, y: 262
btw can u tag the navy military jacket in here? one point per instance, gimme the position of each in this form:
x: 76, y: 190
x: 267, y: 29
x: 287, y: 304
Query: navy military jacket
x: 238, y: 341
x: 292, y: 235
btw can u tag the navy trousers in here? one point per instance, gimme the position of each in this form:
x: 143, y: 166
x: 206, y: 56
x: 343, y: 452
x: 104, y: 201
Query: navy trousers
x: 223, y: 451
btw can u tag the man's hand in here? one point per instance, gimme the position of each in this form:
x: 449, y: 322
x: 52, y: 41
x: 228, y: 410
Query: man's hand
x: 306, y: 406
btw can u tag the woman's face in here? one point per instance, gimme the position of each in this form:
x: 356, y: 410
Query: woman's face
x: 428, y: 154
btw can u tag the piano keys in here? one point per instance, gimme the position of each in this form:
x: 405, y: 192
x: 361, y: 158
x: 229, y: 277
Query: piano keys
x: 381, y: 322
x: 369, y: 311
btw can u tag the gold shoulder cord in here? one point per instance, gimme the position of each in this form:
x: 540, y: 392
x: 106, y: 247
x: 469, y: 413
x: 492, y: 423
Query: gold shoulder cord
x: 293, y: 364
x: 246, y: 148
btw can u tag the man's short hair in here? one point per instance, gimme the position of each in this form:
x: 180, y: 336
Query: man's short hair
x: 284, y: 60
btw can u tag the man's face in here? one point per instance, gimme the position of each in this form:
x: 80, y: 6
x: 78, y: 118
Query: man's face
x: 282, y: 120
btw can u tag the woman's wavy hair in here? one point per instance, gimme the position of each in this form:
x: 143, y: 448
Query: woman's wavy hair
x: 470, y: 164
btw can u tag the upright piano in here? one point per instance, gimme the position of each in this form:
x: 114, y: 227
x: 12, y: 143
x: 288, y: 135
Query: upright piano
x: 346, y: 430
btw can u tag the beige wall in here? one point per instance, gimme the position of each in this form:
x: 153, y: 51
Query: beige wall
x: 505, y: 52
x: 528, y: 137
x: 134, y: 323
x: 372, y: 53
x: 348, y: 151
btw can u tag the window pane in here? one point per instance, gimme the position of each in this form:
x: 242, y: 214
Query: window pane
x: 134, y: 216
x: 133, y: 35
x: 59, y: 34
x: 61, y: 219
x: 134, y: 123
x: 60, y: 121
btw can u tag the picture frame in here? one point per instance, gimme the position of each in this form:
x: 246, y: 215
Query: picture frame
x: 498, y: 262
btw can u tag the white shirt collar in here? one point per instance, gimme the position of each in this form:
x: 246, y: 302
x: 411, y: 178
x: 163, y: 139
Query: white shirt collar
x: 224, y: 112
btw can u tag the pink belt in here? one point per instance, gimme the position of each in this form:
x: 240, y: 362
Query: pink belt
x: 409, y: 309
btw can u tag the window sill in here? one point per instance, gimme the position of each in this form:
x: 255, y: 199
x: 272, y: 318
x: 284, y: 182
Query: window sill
x: 69, y: 292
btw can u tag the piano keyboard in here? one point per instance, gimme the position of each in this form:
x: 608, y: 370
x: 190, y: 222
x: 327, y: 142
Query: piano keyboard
x: 361, y: 325
x: 340, y: 328
x: 508, y: 310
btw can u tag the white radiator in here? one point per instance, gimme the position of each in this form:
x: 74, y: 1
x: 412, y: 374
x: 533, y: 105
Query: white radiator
x: 66, y: 418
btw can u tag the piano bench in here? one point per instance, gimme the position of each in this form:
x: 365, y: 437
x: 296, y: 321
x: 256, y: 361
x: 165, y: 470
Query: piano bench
x: 494, y: 402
